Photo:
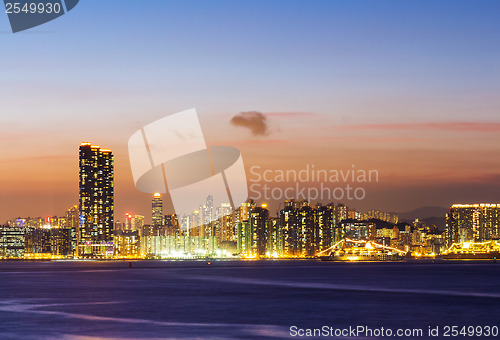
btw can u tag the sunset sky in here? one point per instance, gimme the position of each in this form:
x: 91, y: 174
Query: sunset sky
x: 408, y: 88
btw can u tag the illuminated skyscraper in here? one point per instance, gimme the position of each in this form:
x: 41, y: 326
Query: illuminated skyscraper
x: 324, y: 220
x: 225, y: 229
x: 95, y: 234
x: 290, y: 233
x: 157, y: 210
x: 473, y: 223
x: 72, y: 222
x: 258, y: 223
x: 134, y: 222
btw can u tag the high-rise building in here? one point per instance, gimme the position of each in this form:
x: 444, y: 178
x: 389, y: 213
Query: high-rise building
x: 95, y: 234
x: 12, y: 241
x: 60, y: 241
x: 225, y: 230
x: 244, y: 210
x: 472, y: 223
x: 244, y: 238
x: 38, y: 241
x: 308, y: 231
x: 157, y: 206
x: 289, y: 223
x: 258, y: 223
x: 324, y: 219
x: 274, y: 238
x: 72, y: 222
x: 134, y: 223
x: 171, y: 225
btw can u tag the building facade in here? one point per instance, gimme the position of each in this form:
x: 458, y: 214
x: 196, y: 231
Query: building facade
x: 157, y: 210
x: 96, y: 201
x: 472, y: 223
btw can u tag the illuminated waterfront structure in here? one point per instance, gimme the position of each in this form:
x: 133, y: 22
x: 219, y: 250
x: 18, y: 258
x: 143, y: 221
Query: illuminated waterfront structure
x: 472, y: 223
x: 96, y: 201
x: 360, y: 250
x: 470, y: 250
x: 300, y: 230
x: 157, y: 209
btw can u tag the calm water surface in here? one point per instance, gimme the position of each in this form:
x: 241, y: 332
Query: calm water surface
x: 238, y: 300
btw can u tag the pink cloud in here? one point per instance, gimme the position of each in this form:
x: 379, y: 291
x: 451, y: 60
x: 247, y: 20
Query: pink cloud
x: 443, y: 126
x: 291, y: 114
x: 37, y: 158
x: 249, y: 142
x: 374, y: 139
x: 488, y: 178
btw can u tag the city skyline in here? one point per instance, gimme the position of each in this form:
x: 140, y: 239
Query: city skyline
x: 274, y: 204
x: 301, y: 228
x: 407, y: 89
x: 249, y: 169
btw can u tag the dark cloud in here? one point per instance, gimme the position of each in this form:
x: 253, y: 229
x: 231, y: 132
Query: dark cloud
x: 253, y: 120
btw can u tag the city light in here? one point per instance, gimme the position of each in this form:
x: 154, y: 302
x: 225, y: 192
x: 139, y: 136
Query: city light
x: 300, y: 229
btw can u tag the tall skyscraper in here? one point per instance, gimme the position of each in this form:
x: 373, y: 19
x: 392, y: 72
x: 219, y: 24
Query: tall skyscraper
x: 157, y: 206
x: 472, y: 223
x: 258, y: 223
x: 289, y: 222
x: 308, y: 231
x: 96, y: 204
x: 325, y: 224
x: 72, y: 223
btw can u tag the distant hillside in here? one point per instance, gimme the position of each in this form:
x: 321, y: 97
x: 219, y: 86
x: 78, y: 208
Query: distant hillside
x: 423, y: 213
x: 381, y: 224
x: 429, y: 215
x: 439, y: 222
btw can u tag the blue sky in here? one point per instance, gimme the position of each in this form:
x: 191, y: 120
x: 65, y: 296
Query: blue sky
x: 110, y: 66
x: 275, y: 55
